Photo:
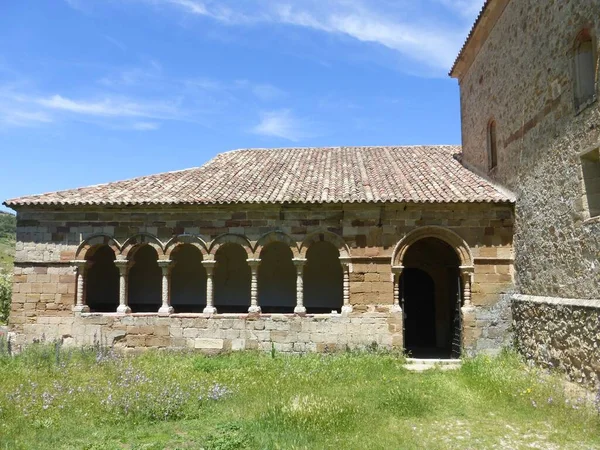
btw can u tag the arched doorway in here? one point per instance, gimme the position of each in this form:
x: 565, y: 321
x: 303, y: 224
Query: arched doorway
x: 323, y: 279
x: 102, y: 280
x: 276, y: 279
x: 188, y: 280
x: 145, y: 280
x: 429, y: 289
x: 232, y: 277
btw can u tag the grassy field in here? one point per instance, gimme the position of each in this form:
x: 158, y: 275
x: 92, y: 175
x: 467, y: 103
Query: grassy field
x: 54, y: 399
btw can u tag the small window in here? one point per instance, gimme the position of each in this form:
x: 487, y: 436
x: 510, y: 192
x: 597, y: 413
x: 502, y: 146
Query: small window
x: 585, y: 70
x: 492, y: 147
x: 590, y: 167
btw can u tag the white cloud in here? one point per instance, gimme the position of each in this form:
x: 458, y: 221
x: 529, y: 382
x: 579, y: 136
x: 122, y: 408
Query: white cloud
x: 145, y: 126
x: 401, y: 26
x: 109, y: 107
x: 16, y: 118
x: 282, y: 124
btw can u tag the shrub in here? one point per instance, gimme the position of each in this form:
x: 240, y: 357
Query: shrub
x: 5, y: 296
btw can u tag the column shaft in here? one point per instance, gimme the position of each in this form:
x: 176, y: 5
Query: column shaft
x: 254, y: 308
x: 347, y: 307
x: 123, y: 266
x: 166, y: 307
x: 210, y: 295
x: 300, y: 308
x: 81, y: 268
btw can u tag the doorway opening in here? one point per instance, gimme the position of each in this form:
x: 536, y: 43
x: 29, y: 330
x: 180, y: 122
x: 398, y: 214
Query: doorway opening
x: 430, y: 291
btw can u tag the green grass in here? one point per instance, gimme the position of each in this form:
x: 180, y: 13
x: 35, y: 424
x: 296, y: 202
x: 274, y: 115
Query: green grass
x: 8, y: 226
x: 89, y: 399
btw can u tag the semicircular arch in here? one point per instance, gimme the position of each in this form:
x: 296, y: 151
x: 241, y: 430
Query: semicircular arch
x: 143, y: 239
x: 94, y: 241
x: 444, y: 234
x: 325, y: 236
x: 276, y: 236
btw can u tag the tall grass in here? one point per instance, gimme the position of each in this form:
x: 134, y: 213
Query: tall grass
x: 51, y: 397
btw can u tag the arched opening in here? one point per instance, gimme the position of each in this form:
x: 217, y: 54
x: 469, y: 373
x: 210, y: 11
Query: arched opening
x: 232, y: 279
x: 276, y: 279
x: 430, y: 290
x: 145, y: 281
x: 584, y: 66
x: 188, y: 280
x: 102, y: 280
x: 492, y: 145
x: 323, y: 279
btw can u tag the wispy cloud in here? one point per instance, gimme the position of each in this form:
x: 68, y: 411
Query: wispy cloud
x: 283, y: 124
x: 145, y: 126
x: 400, y: 26
x: 110, y: 107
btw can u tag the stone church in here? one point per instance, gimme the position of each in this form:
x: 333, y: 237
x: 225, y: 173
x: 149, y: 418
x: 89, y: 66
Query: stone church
x: 437, y: 250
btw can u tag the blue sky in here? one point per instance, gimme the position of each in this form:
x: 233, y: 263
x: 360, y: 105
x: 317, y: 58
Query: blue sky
x: 93, y: 91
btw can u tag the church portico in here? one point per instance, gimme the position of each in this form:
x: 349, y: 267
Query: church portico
x: 319, y: 276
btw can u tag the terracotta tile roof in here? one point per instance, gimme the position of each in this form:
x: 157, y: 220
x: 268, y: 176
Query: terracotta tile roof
x: 422, y: 174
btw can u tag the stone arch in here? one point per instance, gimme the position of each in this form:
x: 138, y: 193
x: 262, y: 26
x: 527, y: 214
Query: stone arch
x: 89, y: 244
x: 325, y: 236
x: 444, y: 234
x: 228, y: 238
x: 323, y: 278
x: 140, y: 239
x: 101, y: 288
x: 183, y: 239
x: 276, y: 236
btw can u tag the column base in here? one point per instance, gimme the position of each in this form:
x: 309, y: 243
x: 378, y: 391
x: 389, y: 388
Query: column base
x: 124, y: 309
x: 396, y: 309
x: 300, y: 310
x: 209, y: 310
x: 254, y: 310
x: 81, y: 308
x: 346, y: 309
x: 165, y: 310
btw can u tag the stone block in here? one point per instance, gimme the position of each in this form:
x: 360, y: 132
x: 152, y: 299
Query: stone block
x: 208, y: 344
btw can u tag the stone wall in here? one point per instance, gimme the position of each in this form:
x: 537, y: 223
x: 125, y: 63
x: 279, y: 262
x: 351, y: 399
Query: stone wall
x: 523, y: 79
x: 48, y: 240
x: 560, y: 334
x: 284, y: 333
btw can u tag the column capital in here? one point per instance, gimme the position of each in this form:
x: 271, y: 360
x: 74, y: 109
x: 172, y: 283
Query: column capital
x: 253, y: 262
x: 397, y: 270
x: 164, y: 262
x: 467, y: 269
x: 345, y: 260
x: 122, y: 262
x: 209, y: 264
x: 299, y: 262
x: 79, y: 263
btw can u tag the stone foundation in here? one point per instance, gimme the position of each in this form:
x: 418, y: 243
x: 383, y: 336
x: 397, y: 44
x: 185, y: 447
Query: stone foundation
x: 560, y: 333
x: 219, y: 333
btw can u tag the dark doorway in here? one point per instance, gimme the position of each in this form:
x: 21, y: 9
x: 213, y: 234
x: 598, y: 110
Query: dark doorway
x: 102, y: 282
x: 323, y: 279
x: 188, y: 280
x: 232, y: 278
x: 276, y: 279
x: 430, y: 290
x: 145, y: 281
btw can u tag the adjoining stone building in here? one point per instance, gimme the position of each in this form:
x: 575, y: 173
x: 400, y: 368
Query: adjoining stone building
x: 318, y: 249
x: 528, y: 77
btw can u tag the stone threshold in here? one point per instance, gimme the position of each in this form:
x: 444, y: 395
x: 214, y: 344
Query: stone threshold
x: 423, y: 364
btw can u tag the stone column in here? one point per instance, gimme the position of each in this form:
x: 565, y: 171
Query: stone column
x: 123, y: 266
x: 396, y: 274
x: 210, y: 294
x: 467, y: 311
x: 254, y: 308
x: 166, y: 307
x: 80, y: 267
x: 299, y: 263
x: 347, y: 307
x: 467, y: 276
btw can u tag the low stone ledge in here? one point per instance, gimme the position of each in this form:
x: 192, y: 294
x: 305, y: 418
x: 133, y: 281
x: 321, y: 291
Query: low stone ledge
x: 576, y: 302
x: 559, y: 333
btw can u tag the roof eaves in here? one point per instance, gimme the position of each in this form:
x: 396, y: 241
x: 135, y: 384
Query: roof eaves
x: 483, y: 13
